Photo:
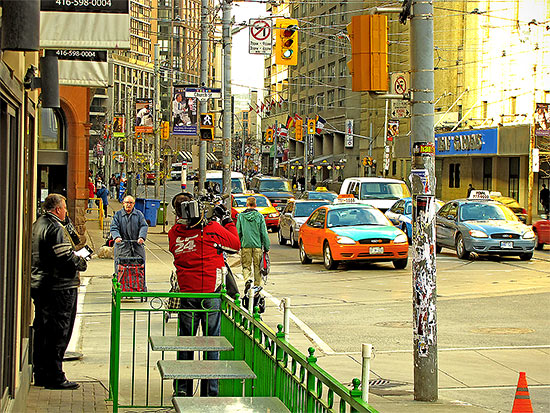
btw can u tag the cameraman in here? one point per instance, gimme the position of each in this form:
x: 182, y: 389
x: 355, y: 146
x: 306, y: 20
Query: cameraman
x: 199, y: 267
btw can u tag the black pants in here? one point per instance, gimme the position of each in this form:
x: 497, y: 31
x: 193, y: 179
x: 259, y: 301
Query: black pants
x: 55, y: 312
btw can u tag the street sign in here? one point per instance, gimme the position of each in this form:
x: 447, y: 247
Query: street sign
x: 348, y: 140
x: 260, y: 36
x: 399, y: 85
x: 203, y: 93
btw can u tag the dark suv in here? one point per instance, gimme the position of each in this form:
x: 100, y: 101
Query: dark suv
x: 278, y: 190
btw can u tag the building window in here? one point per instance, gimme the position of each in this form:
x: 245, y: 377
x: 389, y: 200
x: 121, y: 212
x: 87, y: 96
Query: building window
x: 310, y: 104
x: 394, y: 168
x: 321, y: 101
x: 488, y: 174
x: 321, y: 75
x: 311, y: 78
x: 341, y: 97
x: 321, y: 49
x: 342, y: 68
x: 312, y: 50
x: 454, y: 175
x: 484, y: 110
x: 331, y: 71
x: 303, y: 57
x: 513, y: 180
x: 302, y: 107
x: 330, y: 99
x: 332, y: 16
x: 50, y: 131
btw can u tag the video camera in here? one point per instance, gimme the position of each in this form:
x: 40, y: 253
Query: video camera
x: 203, y: 209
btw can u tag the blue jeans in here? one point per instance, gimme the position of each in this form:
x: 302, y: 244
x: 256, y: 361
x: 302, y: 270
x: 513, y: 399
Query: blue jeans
x: 189, y: 322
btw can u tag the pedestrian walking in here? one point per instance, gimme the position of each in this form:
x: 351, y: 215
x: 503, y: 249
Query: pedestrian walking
x: 294, y: 183
x: 470, y: 189
x: 104, y: 195
x: 253, y: 235
x: 199, y: 265
x: 91, y: 192
x: 55, y: 279
x: 302, y: 183
x: 313, y: 182
x: 129, y: 224
x: 545, y: 199
x: 113, y: 186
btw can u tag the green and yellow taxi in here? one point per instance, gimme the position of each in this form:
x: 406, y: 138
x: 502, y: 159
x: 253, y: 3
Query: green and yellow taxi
x: 349, y: 231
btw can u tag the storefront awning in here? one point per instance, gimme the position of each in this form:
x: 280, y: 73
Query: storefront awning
x: 329, y: 159
x: 299, y: 160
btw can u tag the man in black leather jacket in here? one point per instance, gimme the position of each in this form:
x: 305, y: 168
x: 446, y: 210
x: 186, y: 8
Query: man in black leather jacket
x: 55, y: 280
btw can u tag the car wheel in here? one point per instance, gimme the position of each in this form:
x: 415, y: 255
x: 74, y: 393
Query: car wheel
x: 526, y: 257
x: 293, y: 241
x: 282, y: 241
x: 329, y: 262
x: 538, y: 245
x: 438, y: 248
x: 304, y: 259
x: 400, y: 264
x: 461, y: 248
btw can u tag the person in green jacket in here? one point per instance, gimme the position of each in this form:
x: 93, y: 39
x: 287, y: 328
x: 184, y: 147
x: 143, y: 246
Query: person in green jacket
x: 253, y: 234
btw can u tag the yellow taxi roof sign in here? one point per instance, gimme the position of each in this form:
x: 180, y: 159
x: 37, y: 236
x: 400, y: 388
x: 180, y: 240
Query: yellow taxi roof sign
x: 346, y: 196
x: 345, y: 199
x: 321, y: 189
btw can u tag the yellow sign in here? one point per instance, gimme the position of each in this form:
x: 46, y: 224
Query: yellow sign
x: 299, y: 129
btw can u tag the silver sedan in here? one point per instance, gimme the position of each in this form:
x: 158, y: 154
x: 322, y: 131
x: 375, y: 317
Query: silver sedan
x: 296, y: 212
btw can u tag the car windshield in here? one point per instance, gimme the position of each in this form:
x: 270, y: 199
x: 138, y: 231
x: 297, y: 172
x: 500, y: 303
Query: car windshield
x: 355, y: 216
x: 384, y: 190
x: 236, y: 184
x: 275, y: 185
x: 304, y: 209
x: 484, y: 212
x: 261, y: 201
x: 322, y: 195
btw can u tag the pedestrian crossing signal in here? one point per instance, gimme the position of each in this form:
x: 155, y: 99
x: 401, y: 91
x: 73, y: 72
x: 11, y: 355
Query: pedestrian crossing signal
x: 207, y: 126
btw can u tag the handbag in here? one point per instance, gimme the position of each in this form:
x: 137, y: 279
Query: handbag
x: 265, y: 265
x: 231, y: 287
x: 174, y: 303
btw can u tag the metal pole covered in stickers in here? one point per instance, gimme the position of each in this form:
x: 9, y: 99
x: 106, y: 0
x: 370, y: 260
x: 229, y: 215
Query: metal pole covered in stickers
x: 423, y: 190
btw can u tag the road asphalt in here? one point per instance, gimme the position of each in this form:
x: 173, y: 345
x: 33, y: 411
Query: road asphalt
x: 481, y: 374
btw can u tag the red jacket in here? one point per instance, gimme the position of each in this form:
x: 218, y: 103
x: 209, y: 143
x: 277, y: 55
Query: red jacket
x: 195, y: 258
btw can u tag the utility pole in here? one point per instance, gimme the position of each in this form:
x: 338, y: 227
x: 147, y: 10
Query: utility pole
x: 158, y: 121
x: 275, y: 158
x: 129, y: 144
x: 203, y: 80
x: 227, y: 107
x: 423, y: 189
x: 306, y: 157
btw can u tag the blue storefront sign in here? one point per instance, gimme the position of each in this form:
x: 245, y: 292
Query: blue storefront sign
x: 473, y: 142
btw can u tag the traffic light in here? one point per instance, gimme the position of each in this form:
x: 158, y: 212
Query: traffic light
x: 286, y: 42
x: 369, y: 52
x: 368, y: 161
x: 207, y: 126
x: 299, y: 127
x: 269, y: 136
x: 165, y: 130
x: 311, y: 126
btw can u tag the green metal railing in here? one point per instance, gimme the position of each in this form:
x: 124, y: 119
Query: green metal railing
x: 282, y: 371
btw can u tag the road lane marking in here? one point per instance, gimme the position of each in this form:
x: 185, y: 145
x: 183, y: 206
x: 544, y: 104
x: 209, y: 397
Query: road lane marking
x: 324, y: 347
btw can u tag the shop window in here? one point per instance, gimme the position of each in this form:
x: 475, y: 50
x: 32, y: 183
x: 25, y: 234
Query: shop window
x: 50, y: 134
x: 394, y: 168
x: 513, y: 179
x: 488, y: 174
x: 454, y: 175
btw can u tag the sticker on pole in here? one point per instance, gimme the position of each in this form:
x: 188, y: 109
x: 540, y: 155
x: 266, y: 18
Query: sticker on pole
x: 260, y: 36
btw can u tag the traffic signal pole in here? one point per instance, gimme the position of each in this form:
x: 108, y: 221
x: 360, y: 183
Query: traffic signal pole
x: 227, y: 109
x: 203, y: 83
x: 423, y: 191
x: 158, y: 123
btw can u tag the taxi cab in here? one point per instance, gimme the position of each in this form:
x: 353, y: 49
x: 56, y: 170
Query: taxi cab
x: 482, y: 225
x: 349, y: 231
x: 263, y: 205
x: 320, y: 193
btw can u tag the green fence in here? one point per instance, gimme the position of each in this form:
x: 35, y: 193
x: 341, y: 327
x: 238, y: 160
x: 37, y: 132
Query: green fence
x: 282, y: 371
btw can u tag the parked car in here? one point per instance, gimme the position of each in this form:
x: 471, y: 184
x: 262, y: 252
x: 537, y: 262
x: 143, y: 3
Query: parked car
x: 294, y: 215
x: 278, y: 190
x: 511, y: 203
x: 214, y: 180
x: 483, y: 227
x: 378, y: 192
x: 351, y: 232
x: 320, y: 193
x: 542, y: 233
x: 263, y: 205
x: 400, y: 214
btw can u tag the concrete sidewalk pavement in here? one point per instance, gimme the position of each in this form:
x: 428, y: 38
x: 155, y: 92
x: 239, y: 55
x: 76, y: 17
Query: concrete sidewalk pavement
x: 467, y: 377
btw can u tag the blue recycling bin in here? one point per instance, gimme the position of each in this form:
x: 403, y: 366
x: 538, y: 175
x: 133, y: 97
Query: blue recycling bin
x: 149, y: 208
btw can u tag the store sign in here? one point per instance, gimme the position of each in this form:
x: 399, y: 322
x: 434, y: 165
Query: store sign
x: 467, y: 142
x: 87, y: 68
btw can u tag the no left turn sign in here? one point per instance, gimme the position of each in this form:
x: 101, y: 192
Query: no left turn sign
x: 260, y: 36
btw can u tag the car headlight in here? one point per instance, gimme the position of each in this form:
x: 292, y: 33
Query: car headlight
x: 273, y: 215
x: 528, y: 235
x: 344, y: 240
x: 478, y: 234
x: 400, y: 239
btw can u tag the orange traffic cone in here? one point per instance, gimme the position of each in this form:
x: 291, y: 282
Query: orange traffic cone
x: 522, y: 401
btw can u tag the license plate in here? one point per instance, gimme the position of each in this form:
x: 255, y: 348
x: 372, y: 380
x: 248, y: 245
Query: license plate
x: 376, y: 250
x: 506, y: 244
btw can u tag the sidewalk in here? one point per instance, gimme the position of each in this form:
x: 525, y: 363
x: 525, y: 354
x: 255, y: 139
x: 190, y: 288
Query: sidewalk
x: 465, y: 375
